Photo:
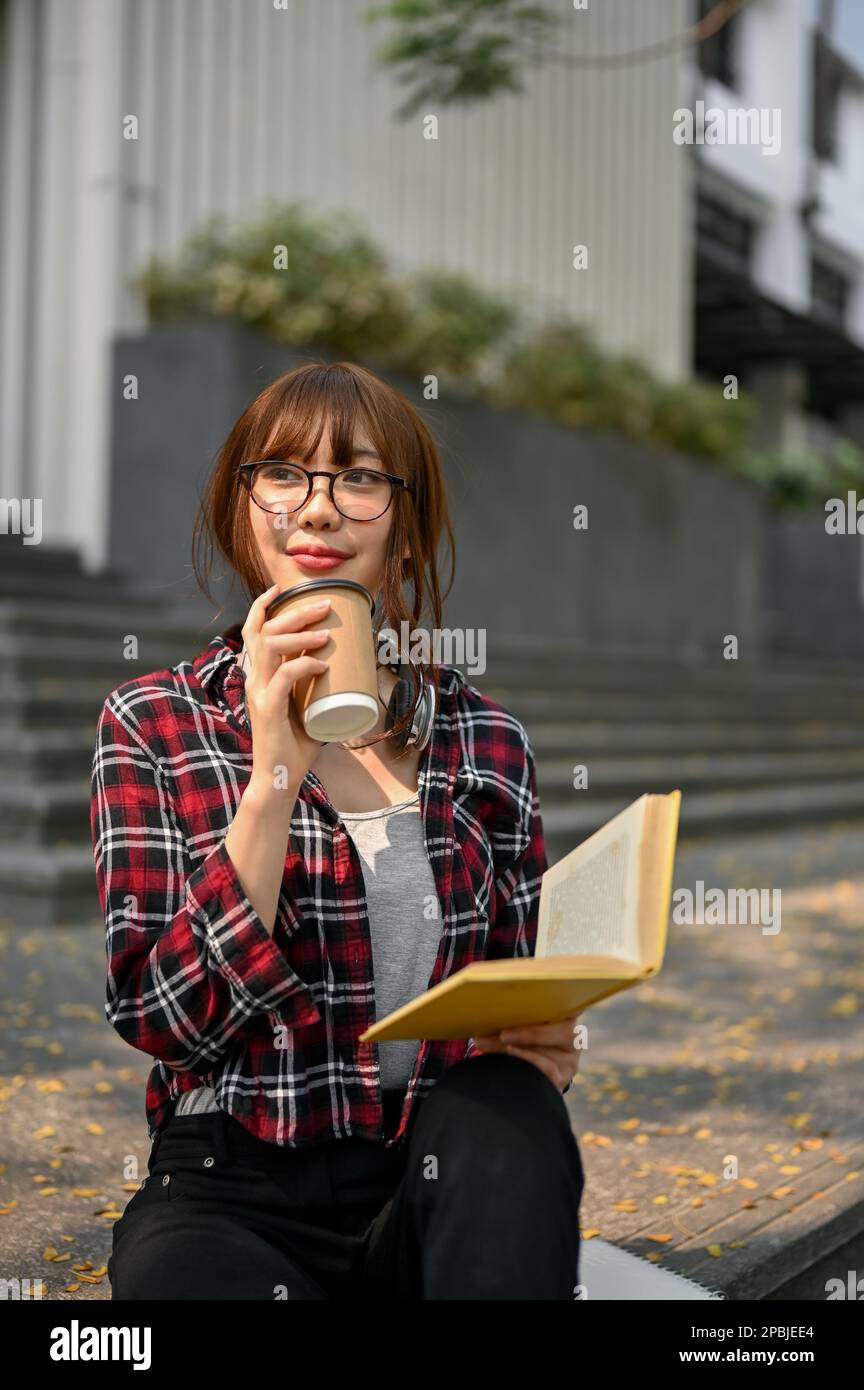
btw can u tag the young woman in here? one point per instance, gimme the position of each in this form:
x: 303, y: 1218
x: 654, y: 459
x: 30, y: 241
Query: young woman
x: 267, y: 897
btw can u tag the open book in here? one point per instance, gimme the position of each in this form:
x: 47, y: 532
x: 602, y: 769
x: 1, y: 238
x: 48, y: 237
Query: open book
x: 604, y: 913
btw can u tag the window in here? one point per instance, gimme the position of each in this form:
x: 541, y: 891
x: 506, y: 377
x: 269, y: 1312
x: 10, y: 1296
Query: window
x: 717, y: 53
x: 829, y: 292
x: 723, y: 231
x: 827, y: 80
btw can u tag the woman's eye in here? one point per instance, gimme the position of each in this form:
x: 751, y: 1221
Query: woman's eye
x: 279, y: 472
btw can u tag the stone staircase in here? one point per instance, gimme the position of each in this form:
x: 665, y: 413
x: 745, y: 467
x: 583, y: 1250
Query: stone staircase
x: 779, y: 743
x: 62, y: 635
x: 752, y: 746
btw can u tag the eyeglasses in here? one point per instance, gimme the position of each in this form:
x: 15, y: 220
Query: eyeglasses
x: 360, y: 494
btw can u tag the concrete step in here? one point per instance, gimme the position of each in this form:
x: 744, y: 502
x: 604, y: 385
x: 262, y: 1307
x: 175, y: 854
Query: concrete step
x: 576, y: 741
x: 45, y: 815
x: 51, y: 706
x: 536, y: 706
x: 39, y: 889
x: 30, y: 659
x: 698, y: 771
x: 708, y: 813
x: 75, y: 587
x: 560, y: 673
x: 113, y: 613
x: 39, y: 755
x: 531, y: 648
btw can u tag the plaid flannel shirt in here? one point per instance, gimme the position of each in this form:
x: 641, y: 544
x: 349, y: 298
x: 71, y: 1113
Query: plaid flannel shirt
x: 195, y: 980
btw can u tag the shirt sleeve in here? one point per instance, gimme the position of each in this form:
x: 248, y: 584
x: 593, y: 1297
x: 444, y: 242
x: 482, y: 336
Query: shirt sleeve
x: 189, y: 960
x: 517, y: 901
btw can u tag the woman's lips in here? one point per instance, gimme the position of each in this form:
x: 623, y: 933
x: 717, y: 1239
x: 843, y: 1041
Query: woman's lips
x: 307, y: 560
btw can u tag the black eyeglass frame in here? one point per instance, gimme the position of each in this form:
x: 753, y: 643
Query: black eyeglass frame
x: 244, y: 470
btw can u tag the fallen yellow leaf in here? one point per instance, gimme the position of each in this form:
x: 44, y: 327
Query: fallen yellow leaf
x: 845, y: 1006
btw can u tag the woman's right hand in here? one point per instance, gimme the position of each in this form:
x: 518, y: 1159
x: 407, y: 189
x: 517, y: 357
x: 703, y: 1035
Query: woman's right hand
x: 282, y: 751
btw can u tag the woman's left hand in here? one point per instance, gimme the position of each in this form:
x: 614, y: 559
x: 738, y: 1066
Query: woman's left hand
x: 550, y: 1046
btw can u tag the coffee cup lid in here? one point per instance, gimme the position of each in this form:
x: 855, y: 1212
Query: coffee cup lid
x: 309, y: 585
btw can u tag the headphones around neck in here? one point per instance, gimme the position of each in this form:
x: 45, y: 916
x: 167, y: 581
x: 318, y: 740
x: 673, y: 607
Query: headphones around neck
x: 418, y: 730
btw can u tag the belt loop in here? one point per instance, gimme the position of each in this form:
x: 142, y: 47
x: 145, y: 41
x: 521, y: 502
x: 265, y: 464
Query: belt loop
x: 154, y: 1149
x: 224, y: 1155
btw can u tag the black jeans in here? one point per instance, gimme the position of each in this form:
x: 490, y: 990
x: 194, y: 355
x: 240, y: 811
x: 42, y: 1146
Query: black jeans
x: 481, y: 1202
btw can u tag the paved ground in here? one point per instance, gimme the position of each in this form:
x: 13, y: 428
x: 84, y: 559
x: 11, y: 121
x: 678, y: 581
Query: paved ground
x: 746, y: 1051
x: 718, y: 1108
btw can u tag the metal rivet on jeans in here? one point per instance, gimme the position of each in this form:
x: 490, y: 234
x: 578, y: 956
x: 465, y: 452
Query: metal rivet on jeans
x: 166, y: 1179
x: 208, y: 1162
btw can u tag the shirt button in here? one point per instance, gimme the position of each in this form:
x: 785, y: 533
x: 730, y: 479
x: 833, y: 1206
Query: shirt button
x: 208, y: 1162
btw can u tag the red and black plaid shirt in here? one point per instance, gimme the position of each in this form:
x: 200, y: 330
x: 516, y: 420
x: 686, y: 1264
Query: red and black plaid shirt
x: 194, y: 978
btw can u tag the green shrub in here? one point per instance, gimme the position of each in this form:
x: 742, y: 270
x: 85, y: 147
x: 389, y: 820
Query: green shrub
x: 560, y: 372
x: 333, y: 292
x: 798, y: 480
x: 452, y: 328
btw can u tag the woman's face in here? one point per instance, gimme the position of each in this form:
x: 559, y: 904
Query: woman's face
x: 363, y: 543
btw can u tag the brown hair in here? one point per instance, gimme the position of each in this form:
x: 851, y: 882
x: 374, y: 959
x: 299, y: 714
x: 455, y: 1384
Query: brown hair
x: 288, y: 418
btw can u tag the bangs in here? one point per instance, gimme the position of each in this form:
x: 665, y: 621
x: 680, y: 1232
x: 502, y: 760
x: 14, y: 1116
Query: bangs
x: 298, y: 415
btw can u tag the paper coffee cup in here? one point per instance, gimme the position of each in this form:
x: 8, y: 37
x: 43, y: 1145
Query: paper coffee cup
x: 341, y: 702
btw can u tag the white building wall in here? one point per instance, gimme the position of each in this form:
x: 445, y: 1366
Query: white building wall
x: 775, y: 45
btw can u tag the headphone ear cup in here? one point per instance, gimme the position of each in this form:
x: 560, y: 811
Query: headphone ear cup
x: 399, y: 706
x: 417, y: 730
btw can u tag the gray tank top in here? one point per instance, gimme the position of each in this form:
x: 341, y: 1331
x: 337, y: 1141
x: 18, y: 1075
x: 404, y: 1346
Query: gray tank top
x: 404, y: 923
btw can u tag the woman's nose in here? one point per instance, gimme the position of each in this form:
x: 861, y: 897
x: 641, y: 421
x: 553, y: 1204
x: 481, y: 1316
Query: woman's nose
x: 320, y: 489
